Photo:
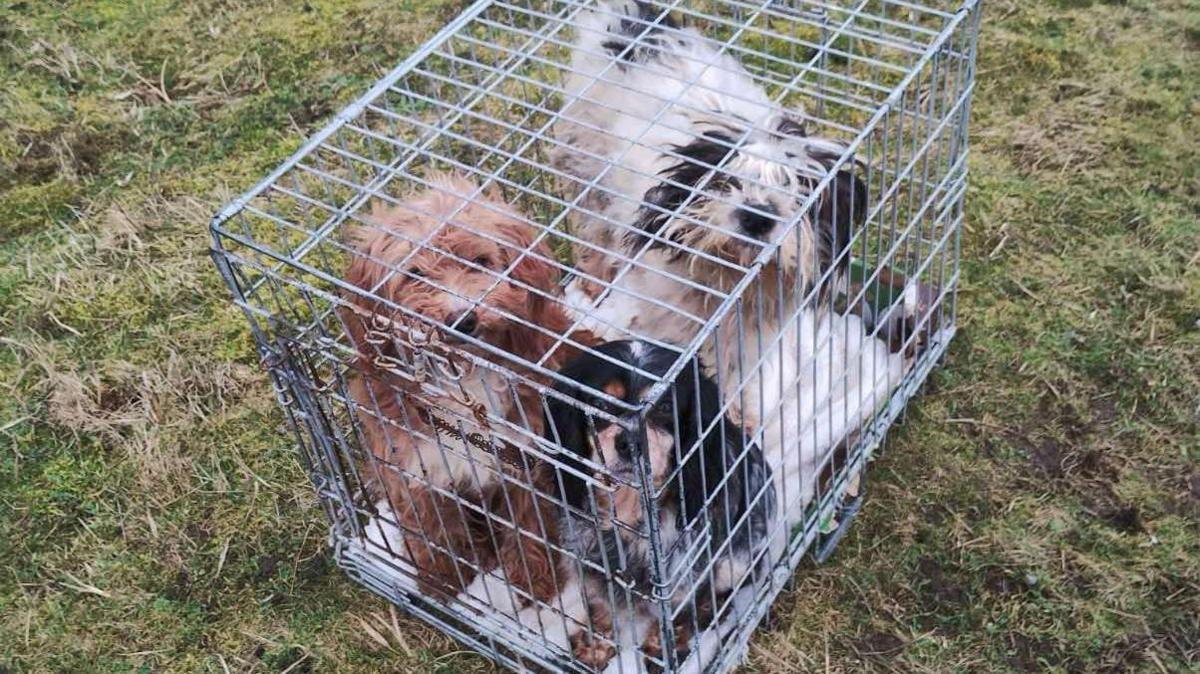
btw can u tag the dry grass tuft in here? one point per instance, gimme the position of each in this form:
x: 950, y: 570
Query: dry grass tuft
x: 143, y: 410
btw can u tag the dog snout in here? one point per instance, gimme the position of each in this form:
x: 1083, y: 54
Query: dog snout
x: 759, y: 221
x: 624, y: 444
x: 466, y: 322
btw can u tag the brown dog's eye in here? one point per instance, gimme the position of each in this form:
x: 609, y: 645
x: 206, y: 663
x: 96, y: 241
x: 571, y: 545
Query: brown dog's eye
x: 483, y: 261
x: 414, y: 271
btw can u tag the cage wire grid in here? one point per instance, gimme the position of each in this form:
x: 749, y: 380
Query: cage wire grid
x: 359, y: 373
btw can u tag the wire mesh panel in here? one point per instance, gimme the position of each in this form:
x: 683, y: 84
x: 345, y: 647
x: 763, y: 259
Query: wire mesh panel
x: 589, y: 315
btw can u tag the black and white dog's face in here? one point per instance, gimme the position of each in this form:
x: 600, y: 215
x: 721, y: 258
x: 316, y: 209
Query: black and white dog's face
x: 618, y: 447
x: 690, y: 446
x: 709, y: 481
x: 730, y: 197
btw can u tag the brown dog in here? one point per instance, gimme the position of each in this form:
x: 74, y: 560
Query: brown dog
x: 445, y: 431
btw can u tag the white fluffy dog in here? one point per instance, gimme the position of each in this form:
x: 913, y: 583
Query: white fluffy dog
x: 690, y: 160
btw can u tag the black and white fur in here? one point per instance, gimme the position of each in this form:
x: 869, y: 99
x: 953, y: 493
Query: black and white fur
x: 695, y: 168
x: 690, y: 153
x: 716, y: 499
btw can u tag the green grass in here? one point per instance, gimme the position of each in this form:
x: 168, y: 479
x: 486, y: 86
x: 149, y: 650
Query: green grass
x: 1037, y: 511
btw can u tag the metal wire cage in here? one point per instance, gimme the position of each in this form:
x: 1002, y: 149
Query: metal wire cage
x: 589, y: 315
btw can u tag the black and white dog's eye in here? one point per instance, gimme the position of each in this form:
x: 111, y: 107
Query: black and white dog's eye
x: 791, y: 127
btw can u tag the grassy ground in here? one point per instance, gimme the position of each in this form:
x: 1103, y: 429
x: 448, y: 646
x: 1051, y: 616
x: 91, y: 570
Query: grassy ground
x: 1037, y: 512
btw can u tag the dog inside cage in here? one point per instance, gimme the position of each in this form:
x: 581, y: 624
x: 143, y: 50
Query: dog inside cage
x: 610, y: 300
x: 464, y: 276
x: 710, y: 492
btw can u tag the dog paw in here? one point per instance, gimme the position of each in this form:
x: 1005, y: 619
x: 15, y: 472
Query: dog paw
x: 652, y: 652
x: 591, y: 651
x: 652, y: 648
x: 920, y: 317
x: 906, y: 326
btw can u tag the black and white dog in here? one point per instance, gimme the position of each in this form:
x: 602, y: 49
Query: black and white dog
x: 689, y: 156
x: 713, y: 494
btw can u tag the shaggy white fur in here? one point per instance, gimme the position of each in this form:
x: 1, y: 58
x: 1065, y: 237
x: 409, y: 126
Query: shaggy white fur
x: 636, y: 98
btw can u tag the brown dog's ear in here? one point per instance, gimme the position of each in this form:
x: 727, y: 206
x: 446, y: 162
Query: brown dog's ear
x: 535, y: 269
x: 533, y: 266
x: 355, y: 317
x: 365, y: 274
x: 382, y: 242
x: 548, y: 309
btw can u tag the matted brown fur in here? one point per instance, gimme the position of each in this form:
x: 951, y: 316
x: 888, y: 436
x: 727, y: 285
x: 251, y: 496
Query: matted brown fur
x: 452, y: 539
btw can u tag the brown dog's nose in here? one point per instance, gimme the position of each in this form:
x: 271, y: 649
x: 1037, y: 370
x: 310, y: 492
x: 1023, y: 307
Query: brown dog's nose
x: 466, y: 323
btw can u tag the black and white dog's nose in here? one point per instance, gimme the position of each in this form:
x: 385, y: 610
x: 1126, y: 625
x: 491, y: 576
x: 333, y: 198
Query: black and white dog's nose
x: 624, y: 444
x: 759, y: 221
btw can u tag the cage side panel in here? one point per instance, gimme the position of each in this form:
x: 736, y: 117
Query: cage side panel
x: 902, y: 272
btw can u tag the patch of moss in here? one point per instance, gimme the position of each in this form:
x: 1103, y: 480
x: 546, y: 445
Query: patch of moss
x: 35, y: 208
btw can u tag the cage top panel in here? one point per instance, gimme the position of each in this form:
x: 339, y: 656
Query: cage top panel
x: 463, y: 173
